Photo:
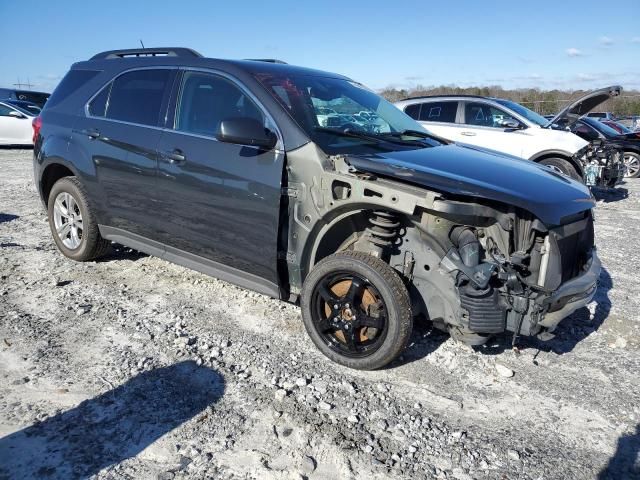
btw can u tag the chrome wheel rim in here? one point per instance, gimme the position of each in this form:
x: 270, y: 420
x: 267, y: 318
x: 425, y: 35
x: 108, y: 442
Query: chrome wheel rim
x: 67, y: 220
x: 632, y: 165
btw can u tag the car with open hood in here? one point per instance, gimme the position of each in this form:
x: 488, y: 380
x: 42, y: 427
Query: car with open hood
x: 506, y: 126
x: 624, y: 141
x: 227, y: 167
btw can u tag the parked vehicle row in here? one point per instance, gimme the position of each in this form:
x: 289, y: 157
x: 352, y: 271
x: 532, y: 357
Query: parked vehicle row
x: 508, y: 127
x: 233, y: 168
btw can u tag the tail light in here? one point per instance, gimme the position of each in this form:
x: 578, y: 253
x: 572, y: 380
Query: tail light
x: 36, y: 124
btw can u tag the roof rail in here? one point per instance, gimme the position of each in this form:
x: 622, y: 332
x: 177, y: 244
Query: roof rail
x: 269, y: 60
x: 147, y: 52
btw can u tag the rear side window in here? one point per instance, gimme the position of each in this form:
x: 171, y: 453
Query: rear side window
x: 71, y: 82
x: 413, y: 111
x: 136, y: 97
x: 439, y: 112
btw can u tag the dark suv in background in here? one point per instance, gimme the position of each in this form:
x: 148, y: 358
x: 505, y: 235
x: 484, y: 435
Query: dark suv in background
x: 231, y: 168
x: 36, y: 98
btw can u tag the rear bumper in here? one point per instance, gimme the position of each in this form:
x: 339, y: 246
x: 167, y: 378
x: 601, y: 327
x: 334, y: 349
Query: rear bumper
x: 573, y: 294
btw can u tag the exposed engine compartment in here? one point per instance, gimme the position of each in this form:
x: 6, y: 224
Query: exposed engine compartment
x: 602, y: 164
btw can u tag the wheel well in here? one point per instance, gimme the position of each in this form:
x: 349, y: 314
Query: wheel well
x: 571, y: 160
x: 50, y: 176
x: 344, y: 232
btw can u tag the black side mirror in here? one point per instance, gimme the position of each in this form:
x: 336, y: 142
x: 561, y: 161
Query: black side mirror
x: 246, y: 131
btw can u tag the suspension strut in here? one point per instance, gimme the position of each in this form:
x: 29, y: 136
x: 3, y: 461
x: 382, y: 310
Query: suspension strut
x: 381, y: 233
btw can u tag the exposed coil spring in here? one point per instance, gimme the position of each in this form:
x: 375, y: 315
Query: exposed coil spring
x: 384, y: 228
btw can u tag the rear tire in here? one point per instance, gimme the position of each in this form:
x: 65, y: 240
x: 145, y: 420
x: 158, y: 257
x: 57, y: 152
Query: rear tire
x: 73, y: 222
x: 563, y: 166
x: 356, y: 309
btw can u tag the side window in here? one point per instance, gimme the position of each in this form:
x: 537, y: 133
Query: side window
x: 98, y: 105
x: 439, y: 112
x: 585, y: 131
x: 413, y: 111
x: 207, y: 99
x: 4, y: 111
x: 136, y: 97
x: 484, y: 115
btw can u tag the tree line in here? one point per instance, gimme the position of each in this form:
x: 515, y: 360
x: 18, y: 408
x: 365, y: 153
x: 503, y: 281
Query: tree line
x: 544, y: 102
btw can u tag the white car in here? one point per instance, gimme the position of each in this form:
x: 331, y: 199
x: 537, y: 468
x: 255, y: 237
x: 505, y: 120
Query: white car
x: 508, y: 127
x: 15, y: 125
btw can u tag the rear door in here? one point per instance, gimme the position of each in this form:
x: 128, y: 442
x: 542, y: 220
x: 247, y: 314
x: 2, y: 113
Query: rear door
x: 121, y: 132
x: 219, y: 201
x: 438, y: 117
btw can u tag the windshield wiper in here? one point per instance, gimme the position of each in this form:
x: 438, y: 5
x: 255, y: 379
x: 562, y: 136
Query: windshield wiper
x: 416, y: 133
x: 347, y: 132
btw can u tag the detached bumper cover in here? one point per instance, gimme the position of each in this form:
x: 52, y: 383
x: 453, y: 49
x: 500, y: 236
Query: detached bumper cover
x: 573, y: 294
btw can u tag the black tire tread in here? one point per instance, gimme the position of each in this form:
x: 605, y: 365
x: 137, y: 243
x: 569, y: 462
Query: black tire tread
x: 400, y: 295
x: 563, y: 164
x: 96, y: 246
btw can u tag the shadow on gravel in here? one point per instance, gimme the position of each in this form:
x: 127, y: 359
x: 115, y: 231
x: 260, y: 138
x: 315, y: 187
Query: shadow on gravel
x: 112, y: 427
x: 7, y: 217
x: 569, y: 333
x: 608, y: 195
x: 424, y: 340
x: 625, y: 463
x: 120, y: 252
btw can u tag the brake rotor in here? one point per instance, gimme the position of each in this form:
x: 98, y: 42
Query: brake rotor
x: 340, y: 289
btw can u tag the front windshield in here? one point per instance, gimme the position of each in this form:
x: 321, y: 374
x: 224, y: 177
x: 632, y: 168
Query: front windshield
x: 342, y: 116
x: 606, y: 130
x: 524, y: 112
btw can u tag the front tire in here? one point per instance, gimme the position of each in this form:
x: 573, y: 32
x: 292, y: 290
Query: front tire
x: 357, y: 311
x: 563, y: 166
x: 632, y: 164
x: 73, y: 222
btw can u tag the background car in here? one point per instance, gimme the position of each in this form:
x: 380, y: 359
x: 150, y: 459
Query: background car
x: 39, y: 98
x: 15, y: 125
x: 628, y: 143
x: 506, y: 126
x: 602, y: 115
x: 24, y: 105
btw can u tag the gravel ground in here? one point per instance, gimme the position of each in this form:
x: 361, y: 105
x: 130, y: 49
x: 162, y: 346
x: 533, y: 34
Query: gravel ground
x: 132, y: 367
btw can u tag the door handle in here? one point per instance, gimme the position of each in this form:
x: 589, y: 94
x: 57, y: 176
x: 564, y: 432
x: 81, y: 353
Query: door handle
x: 468, y: 134
x: 174, y: 156
x: 91, y: 133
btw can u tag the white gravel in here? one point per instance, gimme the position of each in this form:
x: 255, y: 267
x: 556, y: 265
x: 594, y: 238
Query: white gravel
x: 132, y: 367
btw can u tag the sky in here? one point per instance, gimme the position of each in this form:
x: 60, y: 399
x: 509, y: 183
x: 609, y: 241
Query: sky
x: 545, y: 44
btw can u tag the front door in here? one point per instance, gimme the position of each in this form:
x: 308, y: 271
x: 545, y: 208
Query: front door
x: 482, y: 127
x: 219, y: 201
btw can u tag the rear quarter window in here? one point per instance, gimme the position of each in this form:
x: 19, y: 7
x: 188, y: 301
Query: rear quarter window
x: 71, y: 82
x: 413, y: 111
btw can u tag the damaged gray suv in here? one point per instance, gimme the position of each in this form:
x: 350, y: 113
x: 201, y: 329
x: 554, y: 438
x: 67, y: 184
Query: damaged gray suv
x: 308, y: 187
